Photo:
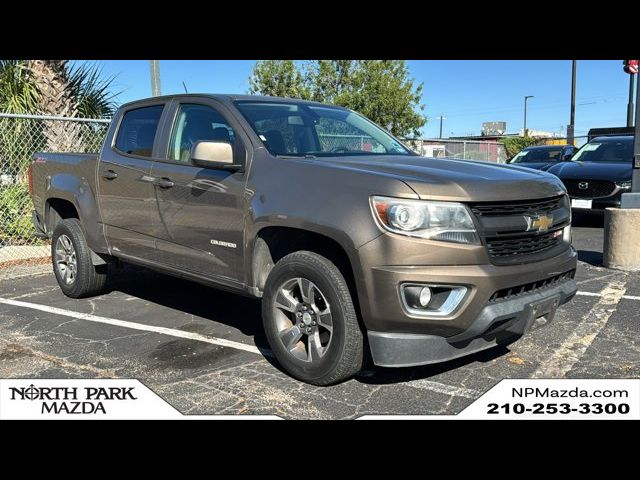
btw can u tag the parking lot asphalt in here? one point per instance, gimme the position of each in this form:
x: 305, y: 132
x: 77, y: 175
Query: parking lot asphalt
x: 204, y: 351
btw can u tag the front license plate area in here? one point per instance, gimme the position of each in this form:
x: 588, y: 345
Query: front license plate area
x: 580, y: 203
x: 542, y: 312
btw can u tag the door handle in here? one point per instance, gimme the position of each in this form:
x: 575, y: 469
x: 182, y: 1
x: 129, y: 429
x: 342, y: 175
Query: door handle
x: 109, y: 175
x: 163, y: 183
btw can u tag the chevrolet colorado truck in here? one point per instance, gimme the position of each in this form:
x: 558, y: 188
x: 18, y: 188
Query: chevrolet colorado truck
x: 358, y: 247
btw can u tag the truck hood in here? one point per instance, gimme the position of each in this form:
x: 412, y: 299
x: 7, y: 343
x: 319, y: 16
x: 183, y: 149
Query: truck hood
x: 593, y: 171
x: 455, y: 180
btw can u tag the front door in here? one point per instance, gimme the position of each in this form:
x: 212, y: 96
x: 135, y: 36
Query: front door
x: 201, y: 223
x: 126, y: 196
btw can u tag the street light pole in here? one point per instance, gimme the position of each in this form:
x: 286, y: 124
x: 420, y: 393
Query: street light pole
x: 527, y: 97
x: 632, y: 77
x: 572, y: 120
x: 154, y: 66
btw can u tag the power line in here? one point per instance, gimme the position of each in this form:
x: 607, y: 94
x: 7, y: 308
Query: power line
x: 514, y: 108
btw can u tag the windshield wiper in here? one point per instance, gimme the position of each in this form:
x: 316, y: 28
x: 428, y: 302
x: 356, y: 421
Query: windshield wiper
x: 292, y: 155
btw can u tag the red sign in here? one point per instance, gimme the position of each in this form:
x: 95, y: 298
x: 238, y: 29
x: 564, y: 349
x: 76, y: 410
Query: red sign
x: 631, y: 66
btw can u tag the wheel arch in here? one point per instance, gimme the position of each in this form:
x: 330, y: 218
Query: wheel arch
x: 276, y: 241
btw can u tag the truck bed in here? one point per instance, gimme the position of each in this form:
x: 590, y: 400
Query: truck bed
x: 49, y: 170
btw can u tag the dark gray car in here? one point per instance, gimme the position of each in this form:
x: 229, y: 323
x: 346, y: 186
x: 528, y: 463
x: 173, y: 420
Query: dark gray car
x: 543, y: 157
x: 343, y: 232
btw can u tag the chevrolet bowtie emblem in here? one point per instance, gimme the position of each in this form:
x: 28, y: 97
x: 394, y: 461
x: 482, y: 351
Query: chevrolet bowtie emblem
x: 540, y: 223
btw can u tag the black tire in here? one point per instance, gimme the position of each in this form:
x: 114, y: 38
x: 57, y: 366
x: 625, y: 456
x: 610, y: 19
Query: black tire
x: 88, y: 280
x: 342, y: 357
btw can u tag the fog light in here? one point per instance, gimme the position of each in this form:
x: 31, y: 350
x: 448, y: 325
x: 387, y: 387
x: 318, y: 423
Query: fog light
x: 425, y: 296
x: 431, y: 300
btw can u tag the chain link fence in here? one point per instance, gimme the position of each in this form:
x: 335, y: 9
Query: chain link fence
x: 486, y: 151
x: 20, y: 137
x: 481, y: 150
x: 336, y: 142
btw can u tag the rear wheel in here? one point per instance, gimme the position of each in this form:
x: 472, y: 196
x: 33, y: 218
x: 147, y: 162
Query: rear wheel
x: 72, y: 265
x: 310, y: 320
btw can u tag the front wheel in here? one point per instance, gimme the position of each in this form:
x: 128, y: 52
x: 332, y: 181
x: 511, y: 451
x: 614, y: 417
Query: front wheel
x: 310, y: 320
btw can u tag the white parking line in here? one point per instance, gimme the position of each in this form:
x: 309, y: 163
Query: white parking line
x: 599, y: 294
x: 137, y: 326
x: 568, y: 354
x: 423, y: 384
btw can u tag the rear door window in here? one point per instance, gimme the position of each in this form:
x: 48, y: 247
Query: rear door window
x: 138, y: 129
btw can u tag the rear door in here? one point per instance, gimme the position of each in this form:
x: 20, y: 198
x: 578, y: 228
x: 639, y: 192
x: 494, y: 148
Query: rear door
x: 200, y: 227
x: 125, y: 193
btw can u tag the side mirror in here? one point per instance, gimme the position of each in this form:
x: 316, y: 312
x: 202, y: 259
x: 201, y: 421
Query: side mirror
x: 213, y: 155
x: 567, y: 157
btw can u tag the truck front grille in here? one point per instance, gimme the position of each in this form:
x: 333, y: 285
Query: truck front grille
x: 522, y: 244
x: 589, y: 188
x: 498, y: 209
x: 506, y: 228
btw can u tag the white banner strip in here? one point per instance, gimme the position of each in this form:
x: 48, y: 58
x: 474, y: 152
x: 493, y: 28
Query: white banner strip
x: 550, y: 399
x: 96, y: 399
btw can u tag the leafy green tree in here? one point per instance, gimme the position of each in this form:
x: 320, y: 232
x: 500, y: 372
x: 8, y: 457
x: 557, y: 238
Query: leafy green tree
x: 382, y: 90
x: 18, y: 93
x: 278, y: 78
x: 513, y: 145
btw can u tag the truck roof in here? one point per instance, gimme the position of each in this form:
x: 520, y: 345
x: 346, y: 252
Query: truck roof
x: 613, y: 138
x: 229, y: 98
x: 546, y: 147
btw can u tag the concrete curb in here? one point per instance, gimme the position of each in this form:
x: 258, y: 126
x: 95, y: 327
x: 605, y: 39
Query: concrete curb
x: 23, y: 252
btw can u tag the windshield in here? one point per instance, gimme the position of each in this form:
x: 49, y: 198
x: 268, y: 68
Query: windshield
x: 606, y: 151
x: 294, y: 129
x: 538, y: 155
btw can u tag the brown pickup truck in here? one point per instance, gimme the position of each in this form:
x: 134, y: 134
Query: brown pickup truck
x: 355, y: 244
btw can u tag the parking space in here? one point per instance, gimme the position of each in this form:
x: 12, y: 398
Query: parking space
x: 203, y: 350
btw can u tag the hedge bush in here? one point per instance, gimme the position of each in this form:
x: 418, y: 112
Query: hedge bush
x: 15, y: 215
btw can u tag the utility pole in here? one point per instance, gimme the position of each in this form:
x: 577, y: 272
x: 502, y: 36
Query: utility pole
x: 635, y: 177
x: 572, y: 120
x: 632, y: 77
x: 525, y: 133
x: 154, y: 66
x: 441, y: 118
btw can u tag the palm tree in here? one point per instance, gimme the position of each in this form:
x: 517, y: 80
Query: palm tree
x: 51, y: 79
x: 56, y: 88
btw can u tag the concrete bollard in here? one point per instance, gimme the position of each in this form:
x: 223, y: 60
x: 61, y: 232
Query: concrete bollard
x: 622, y: 238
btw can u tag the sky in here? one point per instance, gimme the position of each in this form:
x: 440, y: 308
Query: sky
x: 466, y: 92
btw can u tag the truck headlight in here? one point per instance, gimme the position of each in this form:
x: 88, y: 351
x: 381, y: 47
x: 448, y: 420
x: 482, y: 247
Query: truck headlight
x: 444, y: 221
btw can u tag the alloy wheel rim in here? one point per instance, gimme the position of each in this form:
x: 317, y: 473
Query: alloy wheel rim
x: 304, y: 321
x: 66, y: 261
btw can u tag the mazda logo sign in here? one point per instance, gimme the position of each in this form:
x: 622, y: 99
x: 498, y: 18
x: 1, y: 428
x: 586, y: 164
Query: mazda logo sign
x: 583, y: 185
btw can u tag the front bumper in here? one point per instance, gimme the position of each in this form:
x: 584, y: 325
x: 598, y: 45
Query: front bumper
x: 378, y: 280
x: 498, y: 323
